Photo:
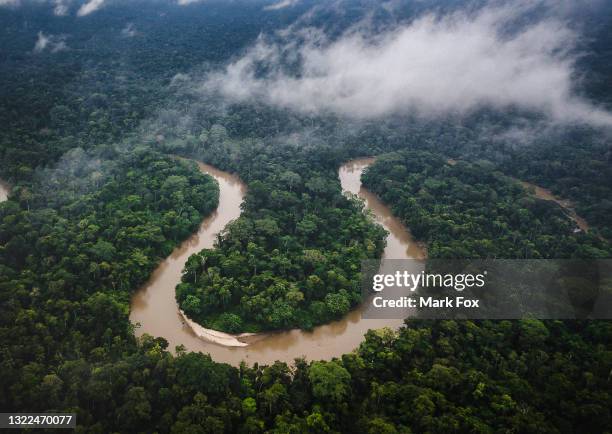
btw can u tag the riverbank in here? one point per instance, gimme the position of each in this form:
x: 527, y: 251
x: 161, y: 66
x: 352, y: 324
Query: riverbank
x: 154, y: 305
x: 5, y: 190
x: 568, y: 207
x: 546, y: 194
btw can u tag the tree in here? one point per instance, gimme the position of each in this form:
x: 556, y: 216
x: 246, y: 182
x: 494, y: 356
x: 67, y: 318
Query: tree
x: 136, y: 409
x: 330, y: 382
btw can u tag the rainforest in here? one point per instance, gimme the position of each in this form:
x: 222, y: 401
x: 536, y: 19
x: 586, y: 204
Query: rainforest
x: 189, y: 191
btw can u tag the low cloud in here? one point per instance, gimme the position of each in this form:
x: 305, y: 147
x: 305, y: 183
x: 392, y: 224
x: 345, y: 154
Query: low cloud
x: 436, y: 65
x: 129, y: 31
x: 179, y: 79
x: 90, y: 7
x: 60, y: 7
x: 282, y: 4
x: 52, y: 43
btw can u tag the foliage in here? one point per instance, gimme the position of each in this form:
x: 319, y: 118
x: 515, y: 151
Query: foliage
x: 91, y: 214
x: 292, y: 259
x: 471, y: 210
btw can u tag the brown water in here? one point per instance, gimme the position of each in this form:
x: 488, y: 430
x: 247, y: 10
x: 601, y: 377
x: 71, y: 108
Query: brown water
x: 4, y: 191
x: 154, y: 305
x: 543, y: 193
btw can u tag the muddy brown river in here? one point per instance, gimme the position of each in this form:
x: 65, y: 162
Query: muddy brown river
x: 4, y: 191
x: 154, y: 306
x: 544, y: 193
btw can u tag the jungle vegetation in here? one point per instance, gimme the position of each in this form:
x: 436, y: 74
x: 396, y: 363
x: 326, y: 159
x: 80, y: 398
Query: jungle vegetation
x: 97, y: 202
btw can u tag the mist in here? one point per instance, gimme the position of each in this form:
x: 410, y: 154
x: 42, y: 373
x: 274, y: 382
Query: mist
x: 90, y: 7
x: 282, y: 4
x: 499, y: 57
x: 52, y: 43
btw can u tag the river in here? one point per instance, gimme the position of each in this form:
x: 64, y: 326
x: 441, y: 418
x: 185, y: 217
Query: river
x: 154, y: 305
x: 4, y: 191
x: 545, y: 194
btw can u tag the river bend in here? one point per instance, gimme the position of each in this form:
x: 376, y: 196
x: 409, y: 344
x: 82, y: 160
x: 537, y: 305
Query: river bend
x: 155, y: 308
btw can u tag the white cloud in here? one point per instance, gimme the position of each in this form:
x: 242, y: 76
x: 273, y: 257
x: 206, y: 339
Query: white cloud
x: 41, y: 43
x: 129, y: 31
x: 281, y: 5
x: 90, y: 7
x: 179, y: 78
x: 53, y: 43
x: 436, y: 65
x: 60, y: 7
x: 187, y: 2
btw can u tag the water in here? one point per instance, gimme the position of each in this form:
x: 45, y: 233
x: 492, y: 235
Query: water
x: 543, y: 193
x: 155, y: 308
x: 4, y: 191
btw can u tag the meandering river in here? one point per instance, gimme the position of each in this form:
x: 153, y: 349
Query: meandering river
x: 154, y: 305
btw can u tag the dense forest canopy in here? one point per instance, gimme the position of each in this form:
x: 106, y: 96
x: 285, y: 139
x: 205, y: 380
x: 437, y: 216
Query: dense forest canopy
x: 472, y: 210
x: 291, y: 260
x: 92, y: 105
